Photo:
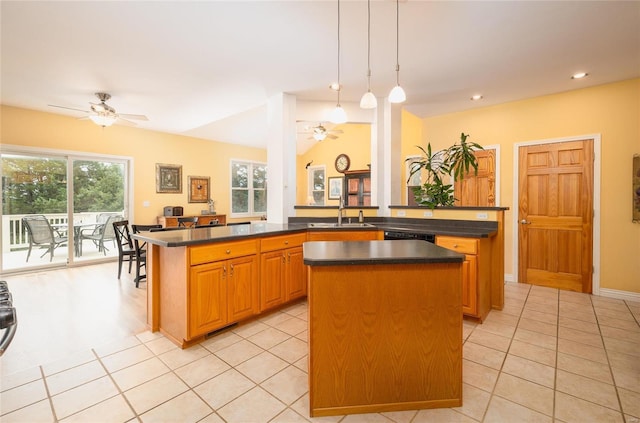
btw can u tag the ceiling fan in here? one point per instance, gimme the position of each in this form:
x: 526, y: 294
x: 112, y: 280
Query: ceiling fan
x: 104, y: 115
x: 319, y: 132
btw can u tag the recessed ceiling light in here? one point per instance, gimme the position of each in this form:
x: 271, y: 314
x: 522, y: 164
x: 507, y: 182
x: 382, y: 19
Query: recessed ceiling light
x: 579, y: 75
x: 476, y: 97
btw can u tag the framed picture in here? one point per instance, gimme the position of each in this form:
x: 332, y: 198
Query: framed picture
x: 335, y: 187
x: 168, y: 178
x: 198, y: 189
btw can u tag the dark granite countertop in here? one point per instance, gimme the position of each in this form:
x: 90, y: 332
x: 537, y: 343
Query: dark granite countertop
x: 196, y: 236
x: 337, y: 253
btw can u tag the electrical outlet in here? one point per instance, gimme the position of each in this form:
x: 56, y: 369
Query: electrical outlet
x: 428, y: 213
x: 402, y: 213
x: 146, y: 204
x: 482, y: 216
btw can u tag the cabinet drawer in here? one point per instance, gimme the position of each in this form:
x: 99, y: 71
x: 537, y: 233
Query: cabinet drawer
x: 222, y: 251
x: 459, y: 245
x: 283, y: 241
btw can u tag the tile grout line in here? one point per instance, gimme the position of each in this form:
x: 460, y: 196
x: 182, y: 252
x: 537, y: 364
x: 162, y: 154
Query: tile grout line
x: 49, y: 397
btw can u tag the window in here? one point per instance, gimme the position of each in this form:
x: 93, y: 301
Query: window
x: 316, y: 184
x: 248, y: 189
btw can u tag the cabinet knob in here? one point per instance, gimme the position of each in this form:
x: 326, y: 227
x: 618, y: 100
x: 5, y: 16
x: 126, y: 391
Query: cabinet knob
x: 228, y: 251
x: 455, y: 245
x: 286, y: 243
x: 525, y: 222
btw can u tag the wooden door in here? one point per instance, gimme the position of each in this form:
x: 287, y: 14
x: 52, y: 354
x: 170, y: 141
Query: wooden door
x: 272, y: 267
x: 296, y: 274
x: 478, y: 190
x: 555, y: 215
x: 243, y: 288
x: 207, y: 298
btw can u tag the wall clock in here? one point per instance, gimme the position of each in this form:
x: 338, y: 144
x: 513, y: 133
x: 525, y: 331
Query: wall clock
x: 342, y: 163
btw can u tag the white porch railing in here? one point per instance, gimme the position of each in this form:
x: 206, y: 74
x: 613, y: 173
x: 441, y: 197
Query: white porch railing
x: 14, y: 234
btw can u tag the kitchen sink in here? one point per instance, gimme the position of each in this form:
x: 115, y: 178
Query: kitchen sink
x: 342, y: 226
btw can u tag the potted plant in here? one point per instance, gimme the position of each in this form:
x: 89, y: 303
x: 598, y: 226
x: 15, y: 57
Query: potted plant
x: 455, y: 160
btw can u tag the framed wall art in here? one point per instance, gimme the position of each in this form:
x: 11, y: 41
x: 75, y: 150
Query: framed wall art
x: 168, y: 178
x: 335, y: 187
x: 199, y: 189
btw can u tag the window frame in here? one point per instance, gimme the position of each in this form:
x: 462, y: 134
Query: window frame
x: 250, y: 189
x: 310, y: 185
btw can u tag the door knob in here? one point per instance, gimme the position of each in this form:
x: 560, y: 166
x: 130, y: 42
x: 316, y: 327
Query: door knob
x: 525, y: 222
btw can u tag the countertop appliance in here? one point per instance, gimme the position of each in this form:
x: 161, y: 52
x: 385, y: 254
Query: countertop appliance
x: 395, y: 235
x: 173, y: 211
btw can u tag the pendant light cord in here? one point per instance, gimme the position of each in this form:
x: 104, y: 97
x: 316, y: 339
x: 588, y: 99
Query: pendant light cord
x: 339, y: 87
x: 397, y: 42
x: 369, y: 45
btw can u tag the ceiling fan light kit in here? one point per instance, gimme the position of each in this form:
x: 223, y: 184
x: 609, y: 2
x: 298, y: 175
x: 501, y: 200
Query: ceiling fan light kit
x: 103, y: 119
x: 104, y: 115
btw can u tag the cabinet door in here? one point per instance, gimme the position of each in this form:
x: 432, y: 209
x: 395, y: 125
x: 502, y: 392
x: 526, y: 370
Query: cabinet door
x: 207, y: 298
x: 242, y: 288
x: 296, y: 281
x: 272, y: 288
x: 470, y: 285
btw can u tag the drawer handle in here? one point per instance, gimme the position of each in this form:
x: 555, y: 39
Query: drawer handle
x: 228, y: 251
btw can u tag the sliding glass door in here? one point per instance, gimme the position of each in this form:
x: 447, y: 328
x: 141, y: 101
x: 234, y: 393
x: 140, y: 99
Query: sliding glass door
x: 57, y: 209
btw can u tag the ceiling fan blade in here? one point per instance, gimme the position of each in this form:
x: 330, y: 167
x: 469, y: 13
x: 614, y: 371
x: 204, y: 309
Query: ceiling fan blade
x: 68, y: 108
x: 333, y: 137
x: 124, y: 122
x: 135, y: 117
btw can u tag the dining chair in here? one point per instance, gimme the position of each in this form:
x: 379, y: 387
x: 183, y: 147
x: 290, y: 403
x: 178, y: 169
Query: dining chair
x: 101, y: 234
x: 187, y: 222
x: 41, y: 234
x: 126, y: 251
x: 211, y: 223
x: 140, y: 248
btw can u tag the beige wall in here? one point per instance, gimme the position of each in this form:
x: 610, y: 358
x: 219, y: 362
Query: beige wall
x: 411, y: 137
x: 355, y: 142
x: 611, y: 110
x: 198, y: 157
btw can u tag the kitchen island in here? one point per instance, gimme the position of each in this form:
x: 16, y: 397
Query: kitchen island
x: 385, y: 326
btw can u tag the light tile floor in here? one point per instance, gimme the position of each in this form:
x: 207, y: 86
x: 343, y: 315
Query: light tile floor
x: 548, y: 356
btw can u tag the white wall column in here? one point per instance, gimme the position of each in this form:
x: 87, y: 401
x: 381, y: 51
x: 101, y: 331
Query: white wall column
x: 385, y: 154
x: 281, y: 157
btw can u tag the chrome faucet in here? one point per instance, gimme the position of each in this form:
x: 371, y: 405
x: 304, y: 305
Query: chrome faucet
x: 340, y: 209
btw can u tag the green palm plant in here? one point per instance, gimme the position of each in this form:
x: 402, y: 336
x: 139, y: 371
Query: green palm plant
x: 457, y: 160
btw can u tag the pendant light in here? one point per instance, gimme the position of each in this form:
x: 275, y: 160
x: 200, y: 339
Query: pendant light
x: 397, y: 94
x: 368, y: 100
x: 338, y: 115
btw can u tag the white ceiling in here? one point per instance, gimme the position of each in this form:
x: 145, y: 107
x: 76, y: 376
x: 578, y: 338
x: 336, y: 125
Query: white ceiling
x: 206, y: 68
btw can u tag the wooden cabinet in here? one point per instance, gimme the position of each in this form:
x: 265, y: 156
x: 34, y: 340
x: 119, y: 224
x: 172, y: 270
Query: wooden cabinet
x: 476, y: 273
x: 204, y: 219
x: 346, y: 235
x: 223, y: 285
x: 357, y: 187
x: 283, y: 274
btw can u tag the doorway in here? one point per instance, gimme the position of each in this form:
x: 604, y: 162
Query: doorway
x: 555, y: 232
x: 53, y: 207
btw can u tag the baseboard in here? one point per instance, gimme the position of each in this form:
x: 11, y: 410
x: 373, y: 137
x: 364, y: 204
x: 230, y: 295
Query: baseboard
x: 508, y: 277
x: 621, y: 295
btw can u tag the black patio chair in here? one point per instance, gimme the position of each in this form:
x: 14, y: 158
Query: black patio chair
x: 41, y: 234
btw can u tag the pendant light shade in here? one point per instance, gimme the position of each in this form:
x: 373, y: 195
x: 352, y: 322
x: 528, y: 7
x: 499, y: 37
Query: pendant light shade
x: 368, y: 100
x: 103, y: 119
x: 397, y: 94
x: 338, y: 115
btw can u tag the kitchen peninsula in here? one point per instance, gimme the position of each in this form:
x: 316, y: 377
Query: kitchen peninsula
x: 385, y: 326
